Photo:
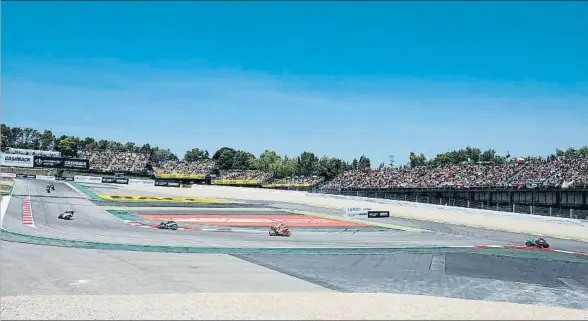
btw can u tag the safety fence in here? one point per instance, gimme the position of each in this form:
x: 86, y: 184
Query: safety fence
x: 493, y: 206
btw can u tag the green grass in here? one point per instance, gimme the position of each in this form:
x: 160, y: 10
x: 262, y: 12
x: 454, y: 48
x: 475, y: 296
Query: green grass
x: 86, y: 191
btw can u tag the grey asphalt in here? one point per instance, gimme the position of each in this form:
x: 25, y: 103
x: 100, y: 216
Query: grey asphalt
x: 484, y: 236
x: 33, y: 269
x: 91, y: 223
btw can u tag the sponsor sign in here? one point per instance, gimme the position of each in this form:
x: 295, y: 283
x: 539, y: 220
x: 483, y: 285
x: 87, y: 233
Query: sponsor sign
x: 356, y: 211
x: 25, y: 176
x: 374, y: 214
x: 158, y: 199
x: 88, y: 179
x: 173, y: 184
x: 115, y: 180
x: 16, y: 160
x: 61, y: 178
x: 8, y: 175
x: 181, y: 176
x: 133, y: 181
x: 252, y: 220
x: 59, y: 162
x: 161, y: 183
x: 51, y: 178
x: 236, y: 182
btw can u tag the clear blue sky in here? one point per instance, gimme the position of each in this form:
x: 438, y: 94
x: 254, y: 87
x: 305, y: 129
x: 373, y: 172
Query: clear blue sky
x: 335, y: 78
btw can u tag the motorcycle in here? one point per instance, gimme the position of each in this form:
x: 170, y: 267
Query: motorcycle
x: 48, y: 190
x: 67, y: 215
x: 540, y: 243
x: 168, y: 225
x: 273, y: 231
x: 52, y: 187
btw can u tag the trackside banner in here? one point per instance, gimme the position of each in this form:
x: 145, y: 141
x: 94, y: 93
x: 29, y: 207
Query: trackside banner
x: 115, y: 180
x: 133, y: 181
x: 88, y: 179
x: 356, y: 211
x: 50, y: 178
x: 59, y: 162
x: 8, y: 175
x: 16, y: 160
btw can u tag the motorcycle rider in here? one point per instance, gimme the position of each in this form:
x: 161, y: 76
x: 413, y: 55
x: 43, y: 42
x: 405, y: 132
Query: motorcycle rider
x: 280, y: 227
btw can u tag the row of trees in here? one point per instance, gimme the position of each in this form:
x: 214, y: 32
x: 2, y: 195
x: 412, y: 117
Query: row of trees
x: 475, y: 155
x: 306, y: 164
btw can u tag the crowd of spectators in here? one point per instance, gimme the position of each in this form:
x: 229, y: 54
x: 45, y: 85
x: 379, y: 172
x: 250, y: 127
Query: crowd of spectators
x: 299, y: 180
x: 106, y: 160
x: 181, y: 167
x: 553, y: 172
x: 245, y: 175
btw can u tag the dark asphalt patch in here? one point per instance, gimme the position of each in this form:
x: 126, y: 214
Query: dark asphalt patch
x: 527, y: 270
x: 465, y: 276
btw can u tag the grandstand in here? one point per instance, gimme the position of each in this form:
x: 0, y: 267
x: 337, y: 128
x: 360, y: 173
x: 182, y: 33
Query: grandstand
x: 561, y: 171
x: 110, y: 161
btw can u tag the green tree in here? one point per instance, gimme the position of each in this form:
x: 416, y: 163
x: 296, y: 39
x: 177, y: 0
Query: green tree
x: 130, y: 147
x: 307, y: 164
x: 488, y: 155
x: 417, y: 160
x: 103, y: 144
x: 285, y: 167
x: 160, y: 156
x: 4, y: 135
x: 196, y: 154
x: 268, y: 161
x: 354, y: 164
x: 67, y: 146
x: 224, y: 158
x: 47, y: 140
x: 146, y: 148
x: 243, y: 160
x: 583, y: 151
x: 364, y: 162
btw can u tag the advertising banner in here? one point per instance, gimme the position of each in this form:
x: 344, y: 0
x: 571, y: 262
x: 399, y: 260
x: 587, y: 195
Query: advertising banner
x: 88, y: 179
x: 166, y: 183
x: 133, y: 181
x: 59, y: 162
x: 374, y: 214
x: 50, y: 178
x: 26, y: 176
x: 8, y: 175
x: 16, y: 160
x: 115, y: 180
x: 356, y: 211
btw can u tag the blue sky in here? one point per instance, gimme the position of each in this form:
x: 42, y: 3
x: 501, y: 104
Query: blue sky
x: 335, y: 78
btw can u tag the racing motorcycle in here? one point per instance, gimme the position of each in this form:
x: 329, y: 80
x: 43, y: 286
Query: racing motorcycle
x: 540, y: 243
x: 171, y: 225
x: 48, y: 190
x: 279, y: 231
x: 52, y: 187
x: 67, y: 215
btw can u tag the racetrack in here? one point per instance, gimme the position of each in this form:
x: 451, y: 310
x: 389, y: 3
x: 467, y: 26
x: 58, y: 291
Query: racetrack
x: 321, y: 261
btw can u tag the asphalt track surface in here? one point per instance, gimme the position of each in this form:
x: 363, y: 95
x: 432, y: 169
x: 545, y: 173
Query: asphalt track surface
x: 41, y: 270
